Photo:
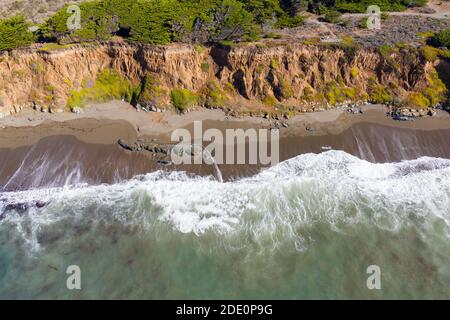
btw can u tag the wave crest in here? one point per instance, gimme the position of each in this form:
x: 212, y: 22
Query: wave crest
x: 279, y: 204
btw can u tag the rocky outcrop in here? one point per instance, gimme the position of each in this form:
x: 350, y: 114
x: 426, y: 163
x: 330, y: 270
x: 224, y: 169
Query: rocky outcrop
x: 152, y: 147
x: 247, y: 78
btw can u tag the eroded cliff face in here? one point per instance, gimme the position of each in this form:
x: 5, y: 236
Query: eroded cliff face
x: 243, y: 78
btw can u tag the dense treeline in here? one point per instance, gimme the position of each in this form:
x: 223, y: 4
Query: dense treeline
x: 165, y: 21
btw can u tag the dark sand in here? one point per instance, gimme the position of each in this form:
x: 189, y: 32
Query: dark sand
x: 58, y: 160
x: 41, y: 150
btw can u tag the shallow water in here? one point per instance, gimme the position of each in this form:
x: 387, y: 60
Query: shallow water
x: 306, y: 228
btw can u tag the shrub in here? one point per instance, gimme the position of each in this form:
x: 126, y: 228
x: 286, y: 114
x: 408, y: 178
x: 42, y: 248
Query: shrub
x: 338, y: 94
x: 378, y: 93
x: 227, y: 43
x: 274, y: 64
x: 441, y: 39
x: 53, y: 47
x: 108, y: 85
x: 183, y: 99
x: 436, y: 89
x: 76, y: 99
x: 229, y: 87
x: 347, y: 44
x: 332, y: 16
x: 151, y: 93
x: 354, y: 72
x: 286, y: 90
x: 263, y: 10
x: 215, y: 96
x: 430, y: 54
x: 426, y: 35
x: 308, y: 94
x: 363, y: 23
x: 361, y: 5
x: 269, y: 101
x: 14, y: 33
x: 287, y: 21
x: 272, y: 35
x: 311, y: 41
x: 386, y: 50
x: 417, y: 100
x: 204, y: 66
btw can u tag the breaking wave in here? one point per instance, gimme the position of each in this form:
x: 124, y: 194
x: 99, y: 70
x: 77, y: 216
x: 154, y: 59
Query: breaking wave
x: 275, y: 207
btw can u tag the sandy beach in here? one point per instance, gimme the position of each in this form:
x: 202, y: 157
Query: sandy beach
x: 84, y: 146
x: 106, y: 123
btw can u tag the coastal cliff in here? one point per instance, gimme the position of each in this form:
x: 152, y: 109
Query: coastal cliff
x: 251, y: 78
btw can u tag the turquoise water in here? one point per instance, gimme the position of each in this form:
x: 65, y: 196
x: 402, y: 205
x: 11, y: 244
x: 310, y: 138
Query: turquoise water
x: 307, y: 228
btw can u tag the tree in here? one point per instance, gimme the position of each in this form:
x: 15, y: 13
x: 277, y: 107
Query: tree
x: 14, y: 33
x: 263, y: 10
x: 228, y: 20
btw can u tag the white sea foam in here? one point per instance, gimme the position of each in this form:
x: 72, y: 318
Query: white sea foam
x: 332, y: 187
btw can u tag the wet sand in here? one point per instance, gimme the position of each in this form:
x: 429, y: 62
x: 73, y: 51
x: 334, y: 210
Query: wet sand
x: 106, y: 123
x: 86, y: 151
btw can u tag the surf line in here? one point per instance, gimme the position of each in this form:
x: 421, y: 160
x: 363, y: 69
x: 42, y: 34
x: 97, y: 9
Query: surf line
x: 187, y: 310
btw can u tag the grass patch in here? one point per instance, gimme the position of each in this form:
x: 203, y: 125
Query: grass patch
x: 54, y: 47
x: 151, y: 93
x: 227, y: 43
x: 311, y: 41
x: 287, y: 21
x: 286, y: 90
x: 338, y: 94
x: 109, y: 85
x: 332, y: 16
x: 354, y: 72
x: 386, y: 50
x: 269, y: 101
x: 199, y: 48
x: 183, y: 99
x: 378, y: 93
x: 436, y: 90
x: 215, y: 96
x: 431, y: 54
x: 417, y: 100
x: 274, y: 64
x: 205, y: 67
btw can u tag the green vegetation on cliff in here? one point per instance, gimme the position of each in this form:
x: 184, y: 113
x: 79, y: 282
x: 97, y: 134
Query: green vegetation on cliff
x: 108, y: 85
x: 151, y: 93
x: 183, y: 99
x: 437, y: 45
x: 441, y: 39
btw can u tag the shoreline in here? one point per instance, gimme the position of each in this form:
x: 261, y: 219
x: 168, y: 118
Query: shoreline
x: 107, y: 122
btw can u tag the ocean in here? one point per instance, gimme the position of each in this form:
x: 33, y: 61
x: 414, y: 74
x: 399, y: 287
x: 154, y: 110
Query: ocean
x: 308, y: 228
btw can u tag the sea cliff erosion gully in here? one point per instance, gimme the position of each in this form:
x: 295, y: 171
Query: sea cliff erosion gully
x: 249, y: 78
